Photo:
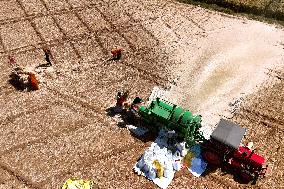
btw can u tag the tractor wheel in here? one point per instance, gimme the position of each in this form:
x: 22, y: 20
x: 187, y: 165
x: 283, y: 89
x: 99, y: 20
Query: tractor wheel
x: 212, y: 158
x: 246, y: 176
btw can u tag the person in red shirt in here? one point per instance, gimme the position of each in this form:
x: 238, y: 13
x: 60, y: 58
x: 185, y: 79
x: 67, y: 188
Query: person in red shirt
x: 12, y: 60
x: 33, y: 81
x: 116, y: 54
x: 121, y: 98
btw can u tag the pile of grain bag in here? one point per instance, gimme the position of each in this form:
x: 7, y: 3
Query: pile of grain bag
x: 163, y: 158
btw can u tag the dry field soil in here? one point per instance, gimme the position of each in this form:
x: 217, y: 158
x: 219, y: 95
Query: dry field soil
x: 206, y: 59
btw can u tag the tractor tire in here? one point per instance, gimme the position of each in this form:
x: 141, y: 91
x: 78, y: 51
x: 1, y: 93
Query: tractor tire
x: 212, y: 158
x: 246, y: 176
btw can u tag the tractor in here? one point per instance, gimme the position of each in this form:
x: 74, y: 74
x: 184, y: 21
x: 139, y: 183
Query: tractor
x: 164, y: 114
x: 224, y: 149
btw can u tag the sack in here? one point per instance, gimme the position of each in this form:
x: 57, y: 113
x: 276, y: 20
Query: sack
x: 77, y: 184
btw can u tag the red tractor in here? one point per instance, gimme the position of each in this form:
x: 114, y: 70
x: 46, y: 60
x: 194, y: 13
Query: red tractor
x: 223, y: 149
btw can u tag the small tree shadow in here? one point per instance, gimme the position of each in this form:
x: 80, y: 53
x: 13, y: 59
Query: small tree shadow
x: 113, y: 59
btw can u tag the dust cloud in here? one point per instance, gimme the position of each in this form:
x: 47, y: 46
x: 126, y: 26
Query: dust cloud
x: 224, y: 67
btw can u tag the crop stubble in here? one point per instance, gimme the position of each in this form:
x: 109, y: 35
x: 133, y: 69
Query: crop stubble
x: 88, y: 143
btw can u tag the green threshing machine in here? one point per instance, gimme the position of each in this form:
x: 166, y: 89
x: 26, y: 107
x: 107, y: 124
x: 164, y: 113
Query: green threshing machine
x: 164, y: 114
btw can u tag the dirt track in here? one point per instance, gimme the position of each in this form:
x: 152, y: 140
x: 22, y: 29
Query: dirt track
x: 63, y: 129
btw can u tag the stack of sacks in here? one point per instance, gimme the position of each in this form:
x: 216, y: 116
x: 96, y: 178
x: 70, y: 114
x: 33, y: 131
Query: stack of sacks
x: 157, y: 162
x: 188, y: 158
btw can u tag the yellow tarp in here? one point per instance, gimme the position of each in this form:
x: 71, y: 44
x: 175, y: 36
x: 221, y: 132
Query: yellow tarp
x: 77, y: 184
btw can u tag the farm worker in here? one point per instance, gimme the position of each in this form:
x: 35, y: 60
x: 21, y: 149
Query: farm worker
x: 121, y: 98
x: 137, y: 100
x: 116, y: 54
x: 33, y: 81
x: 12, y: 60
x: 135, y: 104
x: 47, y: 54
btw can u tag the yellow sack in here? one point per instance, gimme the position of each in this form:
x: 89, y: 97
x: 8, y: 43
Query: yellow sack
x: 159, y: 167
x: 188, y: 158
x: 77, y: 184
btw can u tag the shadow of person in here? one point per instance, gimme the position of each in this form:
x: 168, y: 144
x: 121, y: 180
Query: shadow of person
x: 113, y: 111
x: 44, y: 65
x: 16, y: 84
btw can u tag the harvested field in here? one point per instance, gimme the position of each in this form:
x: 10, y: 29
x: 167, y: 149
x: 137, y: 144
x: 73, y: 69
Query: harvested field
x: 265, y: 8
x: 207, y: 60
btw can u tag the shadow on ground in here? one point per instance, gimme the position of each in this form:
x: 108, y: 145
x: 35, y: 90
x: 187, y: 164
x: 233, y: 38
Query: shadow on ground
x: 225, y: 170
x: 129, y: 118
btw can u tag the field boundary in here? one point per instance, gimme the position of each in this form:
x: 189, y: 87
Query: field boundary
x: 270, y: 11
